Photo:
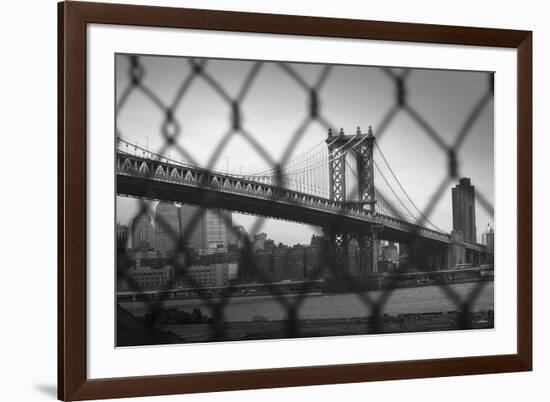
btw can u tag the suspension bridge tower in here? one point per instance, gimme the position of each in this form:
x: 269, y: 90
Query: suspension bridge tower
x: 360, y: 147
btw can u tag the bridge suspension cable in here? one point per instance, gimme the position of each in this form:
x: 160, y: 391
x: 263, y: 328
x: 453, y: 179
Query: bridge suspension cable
x: 393, y: 210
x: 421, y: 214
x: 386, y: 199
x: 309, y: 170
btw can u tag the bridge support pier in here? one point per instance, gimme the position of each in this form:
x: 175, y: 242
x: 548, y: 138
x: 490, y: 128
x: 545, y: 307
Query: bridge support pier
x: 456, y: 252
x: 369, y: 248
x: 438, y: 260
x: 474, y: 258
x: 338, y: 252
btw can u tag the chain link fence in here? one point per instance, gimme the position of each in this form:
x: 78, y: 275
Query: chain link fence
x: 151, y: 328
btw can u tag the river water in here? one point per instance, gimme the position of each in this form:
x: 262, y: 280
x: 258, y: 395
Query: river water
x: 424, y: 299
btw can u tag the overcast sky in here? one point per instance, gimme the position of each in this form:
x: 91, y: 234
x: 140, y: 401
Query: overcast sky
x: 275, y: 106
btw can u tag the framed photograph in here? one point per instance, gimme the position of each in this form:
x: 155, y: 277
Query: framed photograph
x: 254, y: 200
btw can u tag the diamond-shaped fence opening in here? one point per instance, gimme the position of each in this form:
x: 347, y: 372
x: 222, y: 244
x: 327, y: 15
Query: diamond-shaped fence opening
x: 286, y: 178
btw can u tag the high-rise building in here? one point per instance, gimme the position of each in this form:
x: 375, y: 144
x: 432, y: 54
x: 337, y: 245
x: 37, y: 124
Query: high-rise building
x: 318, y: 240
x: 152, y: 258
x: 206, y: 231
x: 389, y: 252
x: 121, y: 236
x: 167, y: 227
x: 215, y: 230
x: 488, y: 238
x: 192, y: 226
x: 237, y: 237
x: 259, y: 241
x: 464, y: 209
x: 228, y: 224
x: 142, y: 233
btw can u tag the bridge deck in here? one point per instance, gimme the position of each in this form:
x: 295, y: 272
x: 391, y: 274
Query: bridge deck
x: 169, y: 181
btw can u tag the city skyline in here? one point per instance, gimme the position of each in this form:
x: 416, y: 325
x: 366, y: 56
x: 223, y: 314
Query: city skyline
x: 194, y: 233
x: 145, y: 233
x: 304, y: 237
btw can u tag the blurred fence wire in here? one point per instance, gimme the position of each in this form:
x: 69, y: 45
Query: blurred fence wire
x: 170, y: 131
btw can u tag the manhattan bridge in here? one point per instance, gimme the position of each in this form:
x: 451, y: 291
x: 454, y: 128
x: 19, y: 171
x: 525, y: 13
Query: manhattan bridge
x: 345, y: 185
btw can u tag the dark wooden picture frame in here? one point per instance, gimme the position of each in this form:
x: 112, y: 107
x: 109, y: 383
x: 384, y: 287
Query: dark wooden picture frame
x: 73, y: 17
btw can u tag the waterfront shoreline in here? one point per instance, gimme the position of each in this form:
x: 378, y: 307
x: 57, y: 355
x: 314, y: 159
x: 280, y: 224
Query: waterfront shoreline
x: 311, y: 328
x: 416, y: 300
x: 166, y: 294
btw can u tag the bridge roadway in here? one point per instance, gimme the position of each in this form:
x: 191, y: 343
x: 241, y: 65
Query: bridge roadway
x: 166, y: 180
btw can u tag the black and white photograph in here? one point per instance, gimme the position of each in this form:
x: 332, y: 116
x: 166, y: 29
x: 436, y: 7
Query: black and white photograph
x: 264, y: 200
